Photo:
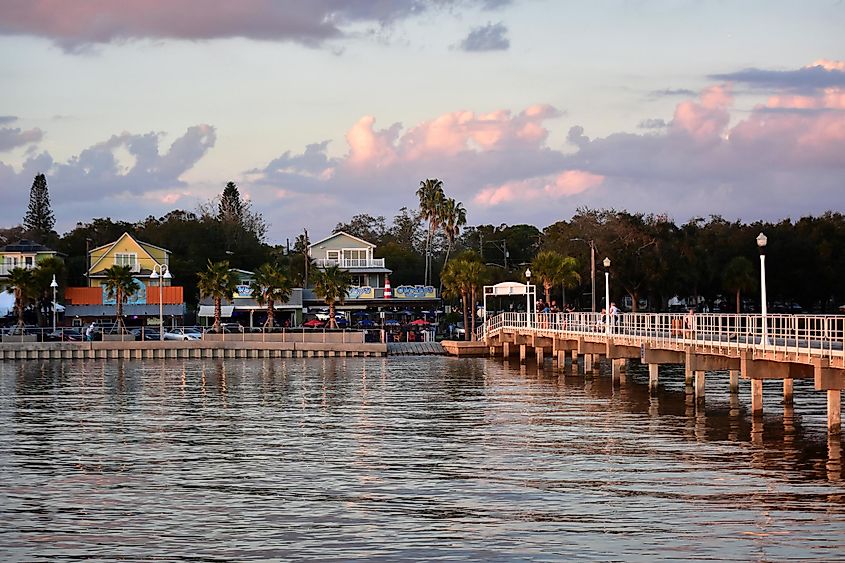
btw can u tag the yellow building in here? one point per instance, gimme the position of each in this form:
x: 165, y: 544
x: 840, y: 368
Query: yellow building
x: 141, y: 257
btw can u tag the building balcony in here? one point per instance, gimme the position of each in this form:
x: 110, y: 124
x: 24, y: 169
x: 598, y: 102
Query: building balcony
x: 6, y: 268
x: 350, y: 263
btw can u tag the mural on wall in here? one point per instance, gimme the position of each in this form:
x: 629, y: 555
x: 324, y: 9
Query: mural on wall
x: 140, y: 297
x: 415, y: 292
x: 361, y: 292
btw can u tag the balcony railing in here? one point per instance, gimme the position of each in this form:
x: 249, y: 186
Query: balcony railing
x: 348, y: 263
x: 6, y: 268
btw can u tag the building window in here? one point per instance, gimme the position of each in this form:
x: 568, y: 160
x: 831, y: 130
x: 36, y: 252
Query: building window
x: 359, y: 280
x: 28, y: 261
x: 126, y: 259
x: 355, y: 254
x: 332, y: 254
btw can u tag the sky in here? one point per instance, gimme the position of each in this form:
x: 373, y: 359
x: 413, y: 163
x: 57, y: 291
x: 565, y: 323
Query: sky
x: 322, y: 109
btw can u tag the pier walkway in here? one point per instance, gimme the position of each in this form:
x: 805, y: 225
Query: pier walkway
x: 785, y: 347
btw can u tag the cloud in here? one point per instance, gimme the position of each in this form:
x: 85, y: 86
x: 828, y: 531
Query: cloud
x: 652, y: 123
x: 491, y: 37
x: 97, y: 181
x: 820, y: 75
x: 86, y: 22
x: 670, y: 92
x: 11, y: 138
x: 4, y: 119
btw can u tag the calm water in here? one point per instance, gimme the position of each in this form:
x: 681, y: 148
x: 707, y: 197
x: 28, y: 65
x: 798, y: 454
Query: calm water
x: 404, y: 458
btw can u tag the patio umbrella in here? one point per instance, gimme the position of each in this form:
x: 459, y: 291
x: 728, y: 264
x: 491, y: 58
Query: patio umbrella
x: 419, y: 322
x: 366, y: 323
x: 391, y: 322
x: 313, y: 323
x: 359, y: 314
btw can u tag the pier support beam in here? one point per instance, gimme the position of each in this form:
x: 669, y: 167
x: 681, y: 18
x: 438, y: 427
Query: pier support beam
x: 688, y: 373
x: 538, y: 351
x: 588, y: 364
x: 506, y: 349
x: 523, y: 350
x: 699, y: 386
x: 616, y: 366
x: 734, y: 381
x: 757, y: 397
x: 652, y: 378
x: 787, y: 391
x: 834, y: 411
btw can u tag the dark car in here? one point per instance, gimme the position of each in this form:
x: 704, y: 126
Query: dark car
x: 146, y: 333
x: 66, y: 335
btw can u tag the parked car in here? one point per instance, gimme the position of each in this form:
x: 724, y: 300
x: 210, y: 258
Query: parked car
x: 146, y: 333
x: 186, y: 333
x: 66, y: 335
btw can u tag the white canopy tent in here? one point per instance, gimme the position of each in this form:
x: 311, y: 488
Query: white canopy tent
x: 511, y: 289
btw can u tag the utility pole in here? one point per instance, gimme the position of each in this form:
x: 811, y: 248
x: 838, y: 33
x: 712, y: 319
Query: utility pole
x: 305, y: 256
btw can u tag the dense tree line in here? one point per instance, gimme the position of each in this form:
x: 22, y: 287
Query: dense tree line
x: 710, y: 260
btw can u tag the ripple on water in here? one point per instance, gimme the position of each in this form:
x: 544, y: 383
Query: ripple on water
x: 414, y: 458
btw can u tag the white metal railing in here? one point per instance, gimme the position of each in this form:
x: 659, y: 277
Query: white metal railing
x: 6, y: 268
x: 799, y: 337
x: 350, y: 262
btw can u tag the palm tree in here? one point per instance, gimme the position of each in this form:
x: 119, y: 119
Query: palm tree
x: 331, y: 285
x: 21, y: 284
x: 271, y: 284
x: 217, y: 282
x: 462, y: 278
x: 454, y: 216
x: 120, y: 286
x: 431, y: 198
x: 42, y: 277
x: 739, y: 276
x: 552, y: 268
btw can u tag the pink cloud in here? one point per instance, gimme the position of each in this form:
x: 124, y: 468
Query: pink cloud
x: 569, y: 182
x: 706, y: 119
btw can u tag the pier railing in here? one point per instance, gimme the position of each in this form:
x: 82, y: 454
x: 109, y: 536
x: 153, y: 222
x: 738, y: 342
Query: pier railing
x: 800, y: 336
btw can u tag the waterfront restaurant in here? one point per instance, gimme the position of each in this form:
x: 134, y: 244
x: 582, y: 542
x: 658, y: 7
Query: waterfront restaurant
x: 246, y: 311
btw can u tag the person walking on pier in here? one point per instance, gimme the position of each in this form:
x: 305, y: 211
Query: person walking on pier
x: 689, y: 324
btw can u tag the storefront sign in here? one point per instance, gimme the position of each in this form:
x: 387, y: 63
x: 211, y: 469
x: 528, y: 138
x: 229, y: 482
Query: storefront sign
x: 243, y: 291
x: 139, y: 298
x: 362, y: 292
x: 415, y: 292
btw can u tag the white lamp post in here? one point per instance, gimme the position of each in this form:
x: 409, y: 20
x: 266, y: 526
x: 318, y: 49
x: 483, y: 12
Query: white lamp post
x: 55, y: 286
x: 607, y: 319
x: 761, y: 244
x: 527, y: 297
x: 164, y: 272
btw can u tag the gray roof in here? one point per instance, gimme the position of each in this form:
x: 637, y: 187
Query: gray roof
x: 26, y: 246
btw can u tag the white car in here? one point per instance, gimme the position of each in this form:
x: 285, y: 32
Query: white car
x: 183, y: 334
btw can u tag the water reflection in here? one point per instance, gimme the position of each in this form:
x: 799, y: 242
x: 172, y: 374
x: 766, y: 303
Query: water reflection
x: 405, y: 458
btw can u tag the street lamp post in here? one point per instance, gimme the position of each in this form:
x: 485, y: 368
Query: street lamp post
x: 160, y: 272
x: 55, y: 286
x: 592, y: 244
x: 607, y: 319
x: 527, y: 297
x: 761, y: 244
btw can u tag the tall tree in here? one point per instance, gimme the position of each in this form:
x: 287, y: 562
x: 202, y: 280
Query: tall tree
x: 21, y: 285
x: 120, y: 286
x: 231, y: 207
x: 270, y: 285
x: 454, y: 217
x: 301, y: 246
x: 331, y: 284
x: 739, y: 276
x: 552, y: 268
x: 217, y: 282
x: 39, y: 220
x: 462, y: 277
x: 431, y: 196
